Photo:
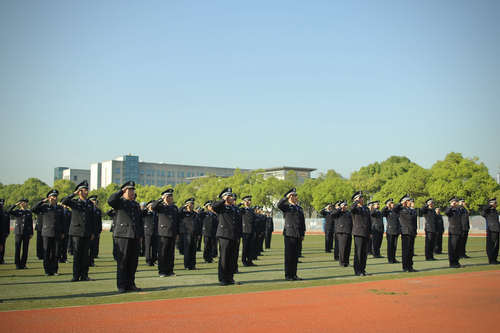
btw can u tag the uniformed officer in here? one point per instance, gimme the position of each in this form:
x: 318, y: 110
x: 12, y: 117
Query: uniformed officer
x: 326, y: 213
x: 150, y: 219
x: 4, y: 230
x: 63, y: 242
x: 377, y: 221
x: 39, y: 237
x: 429, y: 213
x: 52, y: 231
x: 128, y: 233
x: 465, y: 228
x: 408, y: 222
x: 249, y: 232
x: 393, y: 230
x: 94, y: 244
x: 490, y: 213
x: 260, y: 231
x: 343, y: 231
x: 23, y: 231
x: 454, y: 232
x: 293, y: 231
x: 361, y: 231
x: 269, y: 229
x: 228, y: 233
x: 81, y: 230
x: 438, y: 249
x: 190, y: 227
x: 168, y: 229
x: 209, y: 229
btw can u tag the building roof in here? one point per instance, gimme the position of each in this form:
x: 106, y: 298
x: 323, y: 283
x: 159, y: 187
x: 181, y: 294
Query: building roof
x: 287, y: 169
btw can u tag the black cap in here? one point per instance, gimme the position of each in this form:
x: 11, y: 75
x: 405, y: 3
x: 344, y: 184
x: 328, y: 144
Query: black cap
x: 343, y: 203
x: 461, y: 200
x: 226, y: 191
x: 53, y: 193
x: 92, y: 197
x: 492, y: 200
x: 405, y: 197
x: 452, y: 199
x: 247, y: 197
x: 356, y: 195
x: 189, y: 200
x: 290, y: 191
x: 150, y: 202
x: 127, y: 185
x: 375, y: 202
x: 389, y: 200
x: 428, y: 201
x: 208, y: 203
x: 82, y: 185
x: 168, y: 192
x: 2, y: 201
x: 24, y: 200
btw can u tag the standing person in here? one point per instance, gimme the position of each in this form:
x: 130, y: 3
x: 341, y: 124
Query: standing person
x: 465, y: 228
x: 209, y: 228
x: 408, y: 232
x: 326, y: 213
x: 82, y: 230
x: 4, y: 230
x: 393, y: 230
x: 128, y: 233
x: 189, y: 225
x: 150, y: 219
x: 260, y: 223
x: 168, y: 229
x: 269, y: 229
x: 248, y: 221
x: 343, y: 231
x: 111, y: 213
x: 490, y: 214
x: 438, y: 249
x: 39, y: 237
x: 53, y: 230
x: 377, y: 221
x: 293, y: 232
x: 228, y: 233
x: 361, y: 231
x: 62, y: 247
x: 454, y: 232
x: 23, y: 231
x: 94, y: 244
x: 429, y: 213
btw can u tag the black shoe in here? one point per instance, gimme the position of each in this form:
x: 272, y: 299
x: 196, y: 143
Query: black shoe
x: 122, y: 291
x: 163, y: 275
x: 74, y: 279
x: 289, y: 278
x: 296, y: 278
x: 405, y: 270
x: 135, y: 288
x: 328, y: 251
x: 466, y: 256
x: 86, y: 278
x: 456, y: 266
x: 412, y: 270
x: 345, y: 265
x: 397, y: 262
x: 494, y: 262
x: 251, y: 264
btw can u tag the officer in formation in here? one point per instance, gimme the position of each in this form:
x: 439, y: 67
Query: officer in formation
x: 111, y: 213
x: 430, y: 216
x: 329, y: 228
x: 455, y: 232
x: 343, y: 232
x: 490, y: 213
x: 168, y: 229
x: 190, y: 228
x: 4, y: 230
x: 228, y: 233
x: 81, y: 230
x: 293, y: 232
x: 94, y: 245
x: 465, y: 228
x: 393, y: 230
x: 269, y: 229
x: 408, y: 221
x: 361, y: 229
x: 52, y: 230
x: 23, y: 231
x: 438, y: 249
x: 377, y: 228
x: 150, y: 219
x: 39, y: 237
x: 64, y: 241
x: 249, y: 232
x: 209, y: 229
x: 260, y: 222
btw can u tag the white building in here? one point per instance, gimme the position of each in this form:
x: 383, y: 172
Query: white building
x: 283, y: 173
x: 76, y: 175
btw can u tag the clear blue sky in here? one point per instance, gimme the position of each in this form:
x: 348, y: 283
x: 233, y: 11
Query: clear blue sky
x: 323, y: 84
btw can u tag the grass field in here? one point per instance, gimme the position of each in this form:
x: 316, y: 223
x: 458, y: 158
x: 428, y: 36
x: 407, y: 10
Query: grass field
x: 29, y: 289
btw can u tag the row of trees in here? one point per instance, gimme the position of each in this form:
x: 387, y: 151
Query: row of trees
x: 392, y: 178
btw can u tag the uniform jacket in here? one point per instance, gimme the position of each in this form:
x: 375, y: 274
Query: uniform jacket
x: 377, y: 221
x: 407, y: 219
x: 168, y: 218
x: 343, y: 223
x: 439, y: 223
x: 465, y: 219
x: 454, y: 220
x: 209, y: 224
x: 295, y: 224
x: 189, y: 223
x: 361, y: 225
x: 269, y: 224
x: 98, y: 219
x: 24, y: 221
x: 150, y: 220
x: 329, y: 223
x: 392, y: 217
x: 430, y: 219
x: 129, y: 222
x: 53, y: 219
x: 230, y: 224
x: 248, y: 220
x: 82, y: 216
x: 491, y: 216
x: 4, y: 223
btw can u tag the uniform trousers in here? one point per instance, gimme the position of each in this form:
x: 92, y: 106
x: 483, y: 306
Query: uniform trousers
x: 492, y: 246
x: 81, y: 257
x: 392, y: 245
x: 269, y: 235
x: 190, y: 245
x: 407, y: 251
x: 328, y: 240
x: 377, y: 237
x: 345, y: 241
x: 150, y: 248
x: 454, y: 249
x: 438, y: 249
x: 361, y: 245
x: 430, y: 244
x: 291, y: 256
x: 227, y: 249
x: 50, y: 255
x: 22, y: 243
x: 126, y: 265
x: 166, y: 255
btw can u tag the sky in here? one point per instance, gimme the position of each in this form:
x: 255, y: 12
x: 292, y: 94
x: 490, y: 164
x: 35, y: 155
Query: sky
x: 249, y: 84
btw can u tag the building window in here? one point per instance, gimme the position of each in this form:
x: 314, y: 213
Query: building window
x: 170, y: 174
x: 180, y: 174
x: 142, y: 173
x: 117, y: 170
x: 75, y: 177
x: 201, y: 174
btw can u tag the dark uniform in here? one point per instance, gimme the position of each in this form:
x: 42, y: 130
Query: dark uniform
x: 408, y: 222
x: 377, y: 230
x: 228, y: 233
x: 329, y: 228
x: 190, y: 228
x: 63, y: 242
x: 81, y: 230
x: 4, y: 230
x: 361, y: 231
x: 465, y: 231
x: 209, y: 229
x: 269, y: 231
x: 128, y: 231
x: 150, y: 219
x: 430, y: 230
x: 52, y: 231
x: 260, y: 233
x: 438, y: 249
x: 454, y: 234
x: 39, y: 237
x: 94, y: 247
x: 23, y: 232
x: 111, y: 213
x: 343, y: 232
x: 490, y: 213
x: 392, y: 232
x: 293, y: 232
x: 249, y: 234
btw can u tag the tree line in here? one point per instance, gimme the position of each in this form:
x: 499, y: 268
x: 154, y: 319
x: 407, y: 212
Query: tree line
x: 454, y: 176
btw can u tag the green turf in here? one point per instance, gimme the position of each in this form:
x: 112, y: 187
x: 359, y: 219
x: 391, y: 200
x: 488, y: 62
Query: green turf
x: 29, y: 289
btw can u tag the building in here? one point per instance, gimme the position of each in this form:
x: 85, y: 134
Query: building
x: 128, y: 167
x: 285, y: 172
x: 76, y: 175
x: 498, y: 178
x: 58, y: 172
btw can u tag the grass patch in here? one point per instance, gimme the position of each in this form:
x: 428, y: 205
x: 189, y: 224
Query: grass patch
x: 29, y: 289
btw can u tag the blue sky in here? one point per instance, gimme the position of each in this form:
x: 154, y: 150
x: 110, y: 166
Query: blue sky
x: 323, y: 84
